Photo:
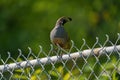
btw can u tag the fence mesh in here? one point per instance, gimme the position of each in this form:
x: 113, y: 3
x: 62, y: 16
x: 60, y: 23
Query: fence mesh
x: 101, y: 62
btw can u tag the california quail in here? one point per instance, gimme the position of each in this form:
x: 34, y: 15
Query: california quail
x: 58, y: 35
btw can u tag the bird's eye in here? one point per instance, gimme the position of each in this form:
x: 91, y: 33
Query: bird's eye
x: 64, y: 21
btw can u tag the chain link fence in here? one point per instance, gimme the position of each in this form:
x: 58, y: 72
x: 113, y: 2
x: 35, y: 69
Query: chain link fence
x: 101, y: 62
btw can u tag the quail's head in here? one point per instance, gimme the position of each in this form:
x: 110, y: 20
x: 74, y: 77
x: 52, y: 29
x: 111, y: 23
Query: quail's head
x: 63, y: 20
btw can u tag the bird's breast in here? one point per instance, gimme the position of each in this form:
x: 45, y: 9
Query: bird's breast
x: 58, y: 32
x: 59, y: 36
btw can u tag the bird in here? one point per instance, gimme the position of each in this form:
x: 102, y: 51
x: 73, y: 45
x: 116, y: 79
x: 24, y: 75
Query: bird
x: 58, y: 34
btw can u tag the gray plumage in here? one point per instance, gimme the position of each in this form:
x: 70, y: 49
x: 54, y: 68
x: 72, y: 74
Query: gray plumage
x: 58, y: 35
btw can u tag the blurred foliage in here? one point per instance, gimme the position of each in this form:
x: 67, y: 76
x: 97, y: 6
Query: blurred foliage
x: 26, y: 23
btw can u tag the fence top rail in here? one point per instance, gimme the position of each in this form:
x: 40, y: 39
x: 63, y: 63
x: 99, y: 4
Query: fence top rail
x: 47, y: 60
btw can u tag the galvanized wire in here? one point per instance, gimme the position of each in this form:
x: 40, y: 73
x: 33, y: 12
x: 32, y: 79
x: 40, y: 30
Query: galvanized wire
x: 65, y: 64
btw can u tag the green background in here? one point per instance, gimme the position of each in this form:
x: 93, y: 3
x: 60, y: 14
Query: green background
x: 26, y: 23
